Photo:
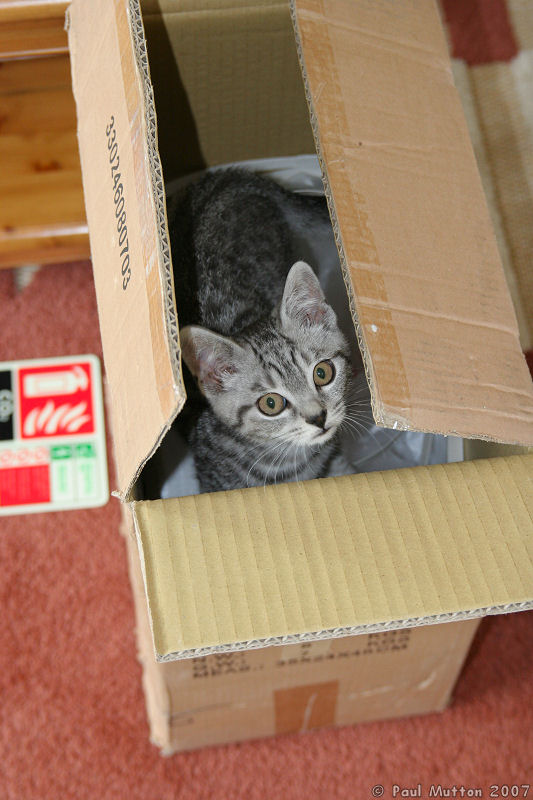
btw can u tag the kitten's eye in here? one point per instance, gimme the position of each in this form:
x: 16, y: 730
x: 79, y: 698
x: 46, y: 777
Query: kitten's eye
x: 323, y: 373
x: 271, y: 404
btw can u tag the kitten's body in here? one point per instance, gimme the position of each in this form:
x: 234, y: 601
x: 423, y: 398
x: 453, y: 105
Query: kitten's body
x: 232, y: 238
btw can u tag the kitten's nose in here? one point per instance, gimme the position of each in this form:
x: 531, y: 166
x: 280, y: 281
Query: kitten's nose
x: 319, y: 419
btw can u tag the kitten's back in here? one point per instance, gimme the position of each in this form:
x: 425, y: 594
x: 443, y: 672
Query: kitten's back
x: 233, y: 237
x: 231, y: 250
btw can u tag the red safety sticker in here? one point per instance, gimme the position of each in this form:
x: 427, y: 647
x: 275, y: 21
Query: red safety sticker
x: 55, y: 400
x: 52, y: 438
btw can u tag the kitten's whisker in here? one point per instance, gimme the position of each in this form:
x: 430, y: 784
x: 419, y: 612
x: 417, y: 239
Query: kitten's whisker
x: 268, y: 451
x: 296, y: 447
x: 249, y: 450
x: 271, y: 466
x: 357, y: 432
x: 277, y: 458
x: 360, y: 413
x: 358, y: 422
x: 280, y: 460
x: 361, y: 416
x: 295, y: 460
x: 358, y: 429
x: 263, y: 454
x: 358, y: 391
x: 265, y: 446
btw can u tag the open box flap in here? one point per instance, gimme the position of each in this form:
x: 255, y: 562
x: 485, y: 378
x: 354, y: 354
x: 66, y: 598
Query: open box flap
x: 434, y: 317
x: 123, y: 189
x: 337, y: 556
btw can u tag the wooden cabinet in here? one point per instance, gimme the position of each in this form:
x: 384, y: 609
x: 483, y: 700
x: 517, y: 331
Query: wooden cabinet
x: 42, y: 213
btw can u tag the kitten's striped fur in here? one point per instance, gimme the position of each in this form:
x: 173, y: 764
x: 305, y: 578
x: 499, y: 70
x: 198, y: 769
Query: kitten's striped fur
x: 254, y: 322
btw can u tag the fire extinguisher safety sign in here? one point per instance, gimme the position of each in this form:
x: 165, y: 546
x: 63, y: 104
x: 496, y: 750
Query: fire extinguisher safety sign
x: 52, y: 436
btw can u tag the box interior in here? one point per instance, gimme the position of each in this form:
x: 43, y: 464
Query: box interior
x: 211, y: 111
x: 227, y: 83
x: 240, y: 96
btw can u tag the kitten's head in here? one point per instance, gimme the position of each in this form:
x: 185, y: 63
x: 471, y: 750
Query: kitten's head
x: 284, y: 378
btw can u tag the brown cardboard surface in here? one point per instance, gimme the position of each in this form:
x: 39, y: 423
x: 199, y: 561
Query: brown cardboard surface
x: 337, y: 556
x: 138, y: 324
x: 237, y: 96
x: 229, y: 697
x: 312, y: 705
x: 426, y: 282
x: 361, y: 553
x: 503, y: 102
x: 480, y: 133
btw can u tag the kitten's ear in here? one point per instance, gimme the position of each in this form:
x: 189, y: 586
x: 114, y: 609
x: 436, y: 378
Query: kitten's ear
x: 211, y: 358
x: 303, y: 299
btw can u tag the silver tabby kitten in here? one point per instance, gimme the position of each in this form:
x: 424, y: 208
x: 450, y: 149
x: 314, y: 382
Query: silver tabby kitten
x: 270, y: 363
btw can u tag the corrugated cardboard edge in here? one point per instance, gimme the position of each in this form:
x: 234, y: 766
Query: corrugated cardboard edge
x: 138, y: 540
x: 367, y: 362
x: 158, y: 192
x: 151, y: 153
x: 156, y: 691
x: 338, y: 633
x: 158, y: 189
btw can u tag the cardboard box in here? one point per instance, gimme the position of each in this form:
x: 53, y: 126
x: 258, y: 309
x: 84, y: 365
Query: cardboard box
x: 336, y: 557
x: 228, y: 697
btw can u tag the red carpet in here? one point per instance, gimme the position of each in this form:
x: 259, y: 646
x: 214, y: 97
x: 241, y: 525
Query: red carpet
x: 73, y: 721
x: 73, y: 717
